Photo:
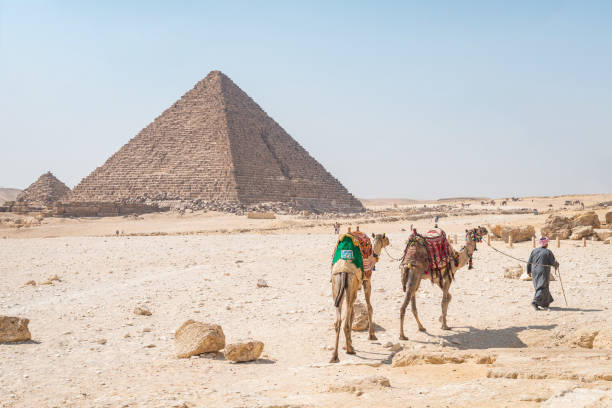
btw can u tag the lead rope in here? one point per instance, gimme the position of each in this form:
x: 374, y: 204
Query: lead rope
x: 389, y: 255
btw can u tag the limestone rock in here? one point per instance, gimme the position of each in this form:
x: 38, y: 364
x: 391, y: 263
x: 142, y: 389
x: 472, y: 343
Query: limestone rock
x: 603, y: 340
x: 31, y: 283
x: 557, y: 226
x: 14, y: 329
x: 513, y: 272
x: 584, y: 337
x: 518, y: 233
x: 581, y: 232
x: 608, y: 217
x: 247, y: 351
x: 608, y: 241
x: 602, y: 234
x: 194, y: 338
x: 587, y: 219
x: 142, y: 311
x: 262, y: 283
x: 360, y: 316
x: 407, y: 358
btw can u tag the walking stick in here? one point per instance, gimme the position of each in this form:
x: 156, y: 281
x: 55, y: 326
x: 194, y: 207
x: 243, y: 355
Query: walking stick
x: 558, y: 270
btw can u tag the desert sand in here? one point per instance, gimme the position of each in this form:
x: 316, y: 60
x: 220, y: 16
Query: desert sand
x: 89, y: 349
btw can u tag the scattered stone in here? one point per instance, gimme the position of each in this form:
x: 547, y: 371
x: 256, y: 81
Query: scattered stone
x: 262, y: 283
x: 101, y: 341
x: 584, y: 337
x: 150, y: 346
x: 142, y: 311
x: 31, y: 283
x: 608, y: 218
x: 388, y: 345
x: 261, y: 215
x: 513, y: 272
x: 397, y: 347
x: 14, y: 329
x: 247, y: 351
x: 360, y: 316
x: 54, y: 278
x: 194, y: 338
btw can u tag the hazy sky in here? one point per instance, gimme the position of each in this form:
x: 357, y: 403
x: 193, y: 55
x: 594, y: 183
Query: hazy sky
x: 395, y: 99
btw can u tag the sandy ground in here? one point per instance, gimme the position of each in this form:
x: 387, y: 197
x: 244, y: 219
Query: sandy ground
x: 211, y: 277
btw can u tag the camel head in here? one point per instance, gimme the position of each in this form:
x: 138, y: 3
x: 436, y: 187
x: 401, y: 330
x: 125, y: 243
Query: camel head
x: 475, y: 235
x: 380, y: 241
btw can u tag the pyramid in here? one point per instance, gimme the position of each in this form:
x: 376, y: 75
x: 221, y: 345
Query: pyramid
x: 44, y: 192
x: 215, y: 144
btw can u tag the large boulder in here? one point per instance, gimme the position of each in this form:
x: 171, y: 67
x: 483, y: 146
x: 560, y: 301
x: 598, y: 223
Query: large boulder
x: 518, y: 233
x: 14, y: 329
x: 194, y: 338
x: 609, y: 217
x: 513, y: 272
x: 247, y: 351
x: 587, y: 219
x: 581, y: 232
x: 557, y: 226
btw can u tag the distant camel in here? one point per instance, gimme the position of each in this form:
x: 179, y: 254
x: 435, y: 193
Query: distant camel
x: 345, y: 285
x: 415, y: 267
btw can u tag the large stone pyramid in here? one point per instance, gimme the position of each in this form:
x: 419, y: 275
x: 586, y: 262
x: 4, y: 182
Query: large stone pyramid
x: 215, y: 144
x: 44, y: 192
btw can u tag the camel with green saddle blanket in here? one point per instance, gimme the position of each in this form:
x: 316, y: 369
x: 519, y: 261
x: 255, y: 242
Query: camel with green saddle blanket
x: 430, y: 256
x: 353, y: 261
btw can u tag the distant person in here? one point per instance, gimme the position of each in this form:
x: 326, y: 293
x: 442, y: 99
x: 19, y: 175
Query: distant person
x: 336, y: 228
x: 540, y: 261
x: 436, y: 220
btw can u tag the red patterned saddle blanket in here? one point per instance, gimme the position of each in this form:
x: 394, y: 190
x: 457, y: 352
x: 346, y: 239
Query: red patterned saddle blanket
x: 438, y: 248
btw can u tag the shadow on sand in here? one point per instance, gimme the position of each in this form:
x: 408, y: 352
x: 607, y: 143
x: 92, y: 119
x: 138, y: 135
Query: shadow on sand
x: 475, y: 338
x: 16, y: 343
x: 573, y: 309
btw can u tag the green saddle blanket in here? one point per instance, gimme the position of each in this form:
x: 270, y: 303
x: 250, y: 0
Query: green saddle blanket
x: 346, y: 249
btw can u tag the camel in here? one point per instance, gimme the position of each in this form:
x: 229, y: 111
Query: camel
x: 345, y: 285
x: 414, y: 267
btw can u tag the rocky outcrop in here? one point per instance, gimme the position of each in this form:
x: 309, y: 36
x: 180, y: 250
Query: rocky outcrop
x: 603, y: 340
x: 246, y: 351
x: 587, y: 219
x: 608, y: 217
x: 407, y: 358
x: 14, y: 329
x: 557, y: 226
x: 194, y: 338
x: 584, y: 337
x: 518, y: 233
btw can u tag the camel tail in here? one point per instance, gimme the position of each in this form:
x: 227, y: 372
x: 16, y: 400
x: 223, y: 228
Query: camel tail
x: 405, y: 274
x: 341, y: 283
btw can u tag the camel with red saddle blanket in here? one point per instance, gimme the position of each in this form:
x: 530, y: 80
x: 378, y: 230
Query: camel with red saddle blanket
x: 430, y: 256
x: 353, y: 261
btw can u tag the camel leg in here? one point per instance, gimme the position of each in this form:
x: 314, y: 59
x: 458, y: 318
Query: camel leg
x: 351, y: 294
x: 414, y: 281
x: 446, y: 298
x: 402, y: 314
x: 367, y: 290
x: 337, y: 282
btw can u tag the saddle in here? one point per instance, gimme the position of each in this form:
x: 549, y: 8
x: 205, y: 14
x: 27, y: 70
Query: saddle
x: 437, y: 254
x: 356, y: 247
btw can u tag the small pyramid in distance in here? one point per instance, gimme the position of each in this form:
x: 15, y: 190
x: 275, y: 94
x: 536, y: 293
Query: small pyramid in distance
x: 45, y: 191
x: 215, y: 144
